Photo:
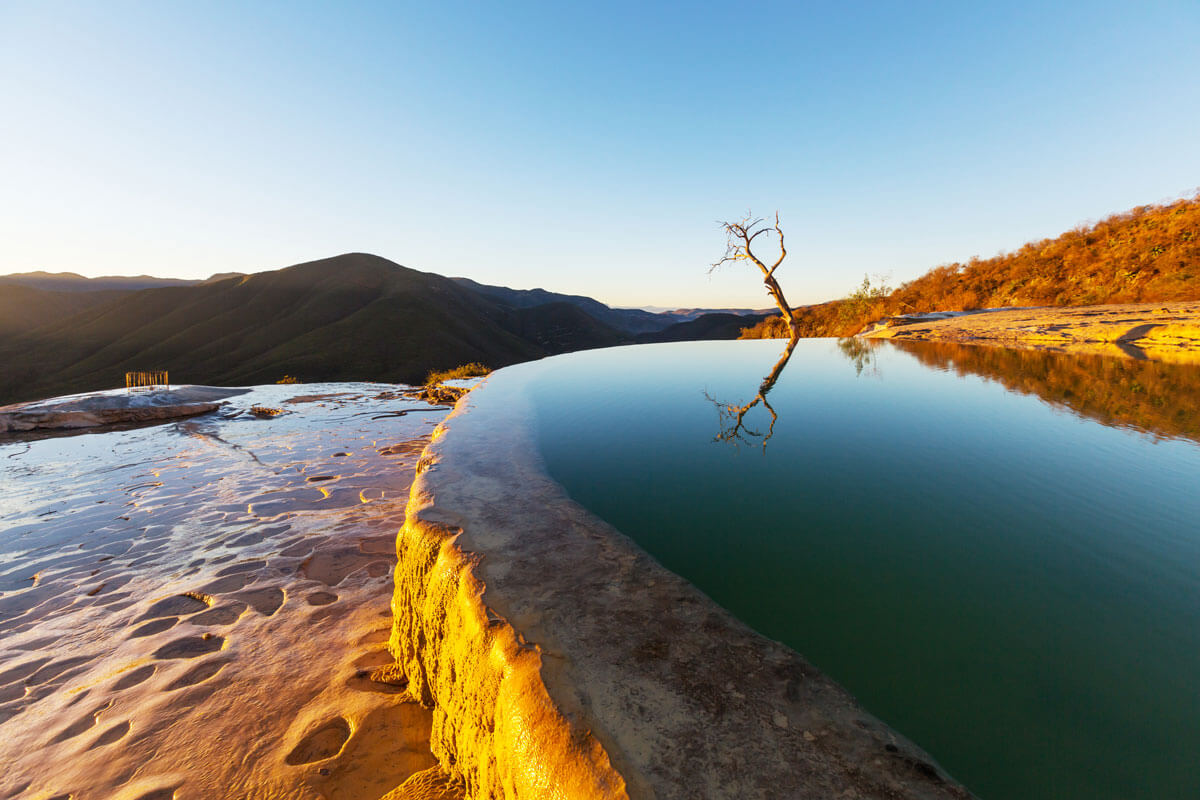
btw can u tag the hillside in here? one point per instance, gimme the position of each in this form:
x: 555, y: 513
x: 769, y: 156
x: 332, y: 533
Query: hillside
x: 35, y: 299
x: 631, y: 320
x: 1148, y: 254
x: 704, y: 327
x: 24, y: 308
x: 71, y: 282
x: 352, y: 317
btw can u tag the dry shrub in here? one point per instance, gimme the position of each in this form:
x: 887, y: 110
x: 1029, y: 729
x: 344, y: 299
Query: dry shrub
x: 1149, y: 254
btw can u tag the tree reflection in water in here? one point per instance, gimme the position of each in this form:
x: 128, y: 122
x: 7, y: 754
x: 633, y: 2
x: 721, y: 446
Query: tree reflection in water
x: 733, y: 426
x: 859, y: 353
x: 1153, y: 397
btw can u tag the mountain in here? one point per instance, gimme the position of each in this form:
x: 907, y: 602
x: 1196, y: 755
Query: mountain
x: 350, y: 317
x: 71, y: 282
x: 355, y: 316
x: 633, y: 320
x: 704, y: 327
x: 689, y: 314
x: 66, y: 293
x: 220, y: 276
x: 25, y: 308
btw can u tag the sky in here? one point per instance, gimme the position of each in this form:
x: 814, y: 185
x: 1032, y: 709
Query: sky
x: 588, y: 148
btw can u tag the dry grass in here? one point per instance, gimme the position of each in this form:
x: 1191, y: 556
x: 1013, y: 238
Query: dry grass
x: 472, y: 370
x: 1149, y: 254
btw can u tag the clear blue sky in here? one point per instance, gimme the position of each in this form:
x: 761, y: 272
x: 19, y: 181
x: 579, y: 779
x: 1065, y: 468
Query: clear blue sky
x: 584, y: 149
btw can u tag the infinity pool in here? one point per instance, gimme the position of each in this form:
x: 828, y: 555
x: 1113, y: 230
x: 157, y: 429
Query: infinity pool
x: 997, y: 552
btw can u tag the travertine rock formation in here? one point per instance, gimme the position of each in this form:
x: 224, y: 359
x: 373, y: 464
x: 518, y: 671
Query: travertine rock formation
x: 112, y: 408
x: 1155, y: 331
x: 560, y: 660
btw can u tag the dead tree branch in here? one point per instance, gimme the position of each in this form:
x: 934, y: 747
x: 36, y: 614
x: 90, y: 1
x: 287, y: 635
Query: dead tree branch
x: 739, y: 241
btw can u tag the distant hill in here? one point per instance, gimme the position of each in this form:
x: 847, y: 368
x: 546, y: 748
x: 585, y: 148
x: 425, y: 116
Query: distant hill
x: 32, y: 300
x: 704, y: 327
x: 350, y: 317
x: 355, y: 316
x: 24, y: 308
x: 70, y: 282
x: 18, y: 314
x: 685, y: 314
x: 688, y: 314
x: 220, y: 276
x: 633, y: 320
x: 1148, y: 254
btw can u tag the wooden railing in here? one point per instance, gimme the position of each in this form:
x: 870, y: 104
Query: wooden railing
x: 147, y: 380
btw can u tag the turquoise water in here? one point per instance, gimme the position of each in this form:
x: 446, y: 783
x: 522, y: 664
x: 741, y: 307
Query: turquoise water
x: 1009, y: 578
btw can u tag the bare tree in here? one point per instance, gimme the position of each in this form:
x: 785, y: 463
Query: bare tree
x: 739, y: 241
x: 739, y: 246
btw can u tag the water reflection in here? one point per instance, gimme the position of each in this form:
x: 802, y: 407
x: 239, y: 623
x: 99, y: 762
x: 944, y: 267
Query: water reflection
x: 1153, y: 397
x: 1156, y: 398
x: 859, y: 351
x: 996, y: 578
x: 733, y: 428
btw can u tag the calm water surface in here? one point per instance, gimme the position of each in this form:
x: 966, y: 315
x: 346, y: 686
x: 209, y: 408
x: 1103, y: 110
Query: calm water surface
x: 998, y: 553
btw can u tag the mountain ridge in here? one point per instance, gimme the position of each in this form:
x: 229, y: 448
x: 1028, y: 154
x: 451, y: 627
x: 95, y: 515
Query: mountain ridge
x: 355, y: 316
x: 74, y: 282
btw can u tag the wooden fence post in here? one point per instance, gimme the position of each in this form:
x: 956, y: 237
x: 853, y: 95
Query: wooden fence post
x: 147, y: 380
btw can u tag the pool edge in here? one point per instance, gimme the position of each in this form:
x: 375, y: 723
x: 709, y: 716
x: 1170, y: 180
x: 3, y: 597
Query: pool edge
x: 549, y: 646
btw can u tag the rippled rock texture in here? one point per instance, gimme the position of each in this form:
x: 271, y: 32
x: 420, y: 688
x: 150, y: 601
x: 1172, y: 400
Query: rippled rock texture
x: 198, y: 610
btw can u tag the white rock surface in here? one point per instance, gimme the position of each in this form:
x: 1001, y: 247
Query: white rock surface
x: 112, y: 407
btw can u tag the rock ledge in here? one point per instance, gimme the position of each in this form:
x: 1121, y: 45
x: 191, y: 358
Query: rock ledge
x: 561, y: 660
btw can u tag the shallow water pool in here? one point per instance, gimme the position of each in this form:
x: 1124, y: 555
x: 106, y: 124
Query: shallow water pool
x: 997, y: 552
